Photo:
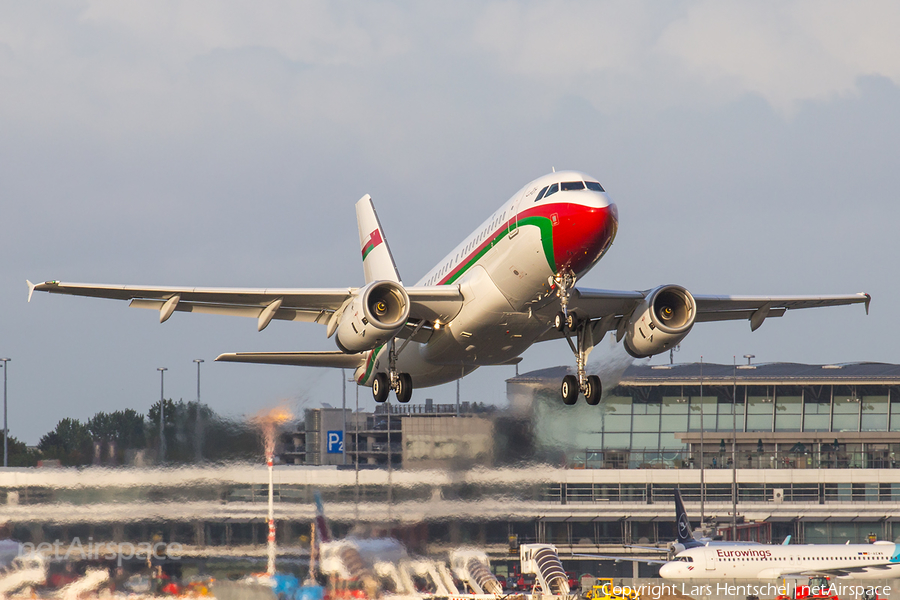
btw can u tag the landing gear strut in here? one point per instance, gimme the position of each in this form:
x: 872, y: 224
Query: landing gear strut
x: 569, y: 323
x: 401, y: 383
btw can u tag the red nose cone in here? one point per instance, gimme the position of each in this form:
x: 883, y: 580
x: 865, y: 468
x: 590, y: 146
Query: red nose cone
x: 583, y: 235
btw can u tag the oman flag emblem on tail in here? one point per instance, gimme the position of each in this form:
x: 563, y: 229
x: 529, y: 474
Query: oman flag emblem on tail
x: 371, y: 243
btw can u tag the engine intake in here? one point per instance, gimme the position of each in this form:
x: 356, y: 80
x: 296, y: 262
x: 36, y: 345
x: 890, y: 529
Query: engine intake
x: 376, y: 314
x: 660, y: 321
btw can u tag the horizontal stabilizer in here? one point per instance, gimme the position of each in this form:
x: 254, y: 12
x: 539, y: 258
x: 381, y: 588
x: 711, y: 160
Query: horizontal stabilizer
x: 334, y: 358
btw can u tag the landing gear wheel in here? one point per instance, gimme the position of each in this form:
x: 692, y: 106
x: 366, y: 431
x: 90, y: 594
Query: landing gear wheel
x: 572, y: 321
x: 380, y: 387
x: 560, y: 321
x: 404, y: 387
x: 593, y: 390
x: 569, y: 390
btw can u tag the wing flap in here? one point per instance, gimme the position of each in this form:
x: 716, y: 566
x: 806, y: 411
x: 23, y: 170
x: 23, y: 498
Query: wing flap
x: 735, y: 315
x: 435, y: 303
x: 335, y: 359
x: 734, y: 303
x: 615, y: 305
x: 311, y: 298
x: 297, y: 304
x: 230, y: 310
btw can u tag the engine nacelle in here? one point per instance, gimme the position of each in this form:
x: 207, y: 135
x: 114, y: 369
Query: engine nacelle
x: 376, y: 314
x: 660, y: 321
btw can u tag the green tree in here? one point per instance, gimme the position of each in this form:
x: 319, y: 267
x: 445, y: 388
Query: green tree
x: 19, y: 455
x: 70, y: 442
x: 117, y: 432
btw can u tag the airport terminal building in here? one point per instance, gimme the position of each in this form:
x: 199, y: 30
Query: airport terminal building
x: 812, y: 449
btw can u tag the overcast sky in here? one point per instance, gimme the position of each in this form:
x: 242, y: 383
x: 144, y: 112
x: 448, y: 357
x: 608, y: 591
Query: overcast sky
x: 751, y: 147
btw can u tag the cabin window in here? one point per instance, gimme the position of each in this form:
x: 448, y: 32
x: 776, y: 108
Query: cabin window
x: 594, y: 186
x: 553, y: 189
x: 541, y: 195
x: 568, y: 186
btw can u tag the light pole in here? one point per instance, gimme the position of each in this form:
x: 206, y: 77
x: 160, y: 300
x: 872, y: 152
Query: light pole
x: 5, y: 426
x: 162, y: 414
x: 198, y: 422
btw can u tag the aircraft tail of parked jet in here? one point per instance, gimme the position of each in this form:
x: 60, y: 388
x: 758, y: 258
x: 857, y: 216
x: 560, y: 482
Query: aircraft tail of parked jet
x: 323, y: 532
x: 683, y: 531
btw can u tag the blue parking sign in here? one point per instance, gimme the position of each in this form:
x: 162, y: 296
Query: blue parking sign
x: 335, y: 442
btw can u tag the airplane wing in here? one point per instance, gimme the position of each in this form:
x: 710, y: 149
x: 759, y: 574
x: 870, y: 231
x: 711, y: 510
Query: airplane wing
x: 612, y: 306
x: 334, y: 358
x: 649, y: 561
x: 264, y: 304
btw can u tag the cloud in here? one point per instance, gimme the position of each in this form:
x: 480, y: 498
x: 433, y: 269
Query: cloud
x: 620, y: 53
x: 786, y: 52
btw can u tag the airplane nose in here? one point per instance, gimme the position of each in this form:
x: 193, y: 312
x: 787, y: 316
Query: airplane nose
x: 583, y: 234
x: 668, y: 570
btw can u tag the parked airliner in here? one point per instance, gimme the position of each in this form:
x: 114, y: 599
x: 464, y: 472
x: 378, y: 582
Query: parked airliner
x: 880, y: 560
x: 685, y: 538
x: 508, y: 285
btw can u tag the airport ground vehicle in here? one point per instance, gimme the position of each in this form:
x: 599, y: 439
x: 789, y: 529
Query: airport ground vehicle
x: 603, y: 589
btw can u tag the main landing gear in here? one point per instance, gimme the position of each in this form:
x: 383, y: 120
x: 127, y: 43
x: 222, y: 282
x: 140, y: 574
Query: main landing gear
x: 401, y: 383
x: 568, y: 323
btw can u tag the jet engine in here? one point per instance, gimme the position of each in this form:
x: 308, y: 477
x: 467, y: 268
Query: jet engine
x: 660, y: 321
x: 375, y: 315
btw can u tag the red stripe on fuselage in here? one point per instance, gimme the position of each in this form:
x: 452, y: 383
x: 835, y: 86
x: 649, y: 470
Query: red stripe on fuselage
x: 581, y: 235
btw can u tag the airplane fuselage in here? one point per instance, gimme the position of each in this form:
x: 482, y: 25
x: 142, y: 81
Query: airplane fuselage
x: 502, y: 268
x: 861, y: 561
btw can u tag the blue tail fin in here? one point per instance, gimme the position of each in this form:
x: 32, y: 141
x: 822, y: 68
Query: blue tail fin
x: 683, y: 524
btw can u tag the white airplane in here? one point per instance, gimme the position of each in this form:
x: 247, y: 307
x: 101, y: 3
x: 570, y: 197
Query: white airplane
x: 509, y: 284
x: 880, y: 560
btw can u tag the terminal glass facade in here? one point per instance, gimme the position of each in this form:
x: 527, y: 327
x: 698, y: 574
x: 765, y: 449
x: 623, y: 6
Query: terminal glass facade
x: 659, y: 425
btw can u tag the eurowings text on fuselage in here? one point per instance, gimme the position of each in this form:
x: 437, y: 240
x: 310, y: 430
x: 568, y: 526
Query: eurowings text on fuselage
x: 853, y: 561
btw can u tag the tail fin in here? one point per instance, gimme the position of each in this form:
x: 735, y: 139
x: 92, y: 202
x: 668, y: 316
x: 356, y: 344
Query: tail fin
x: 378, y: 263
x: 323, y: 533
x: 682, y: 523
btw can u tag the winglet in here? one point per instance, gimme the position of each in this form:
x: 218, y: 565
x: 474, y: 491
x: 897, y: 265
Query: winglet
x: 378, y: 262
x: 31, y: 289
x: 868, y: 301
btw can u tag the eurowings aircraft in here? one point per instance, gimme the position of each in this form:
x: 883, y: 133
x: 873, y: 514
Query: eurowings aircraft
x: 880, y: 560
x: 508, y: 285
x: 685, y: 538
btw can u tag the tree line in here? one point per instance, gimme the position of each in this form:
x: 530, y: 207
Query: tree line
x: 193, y: 433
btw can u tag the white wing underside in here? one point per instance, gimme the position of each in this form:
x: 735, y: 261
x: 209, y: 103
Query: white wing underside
x: 611, y: 306
x: 265, y: 304
x: 606, y: 308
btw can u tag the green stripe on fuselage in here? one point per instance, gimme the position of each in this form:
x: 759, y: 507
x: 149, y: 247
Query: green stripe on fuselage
x: 371, y: 364
x: 545, y: 226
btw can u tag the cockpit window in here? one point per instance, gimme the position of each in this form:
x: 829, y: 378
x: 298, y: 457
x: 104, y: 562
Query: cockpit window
x: 594, y: 186
x: 541, y: 195
x: 571, y: 185
x: 684, y: 558
x: 553, y: 189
